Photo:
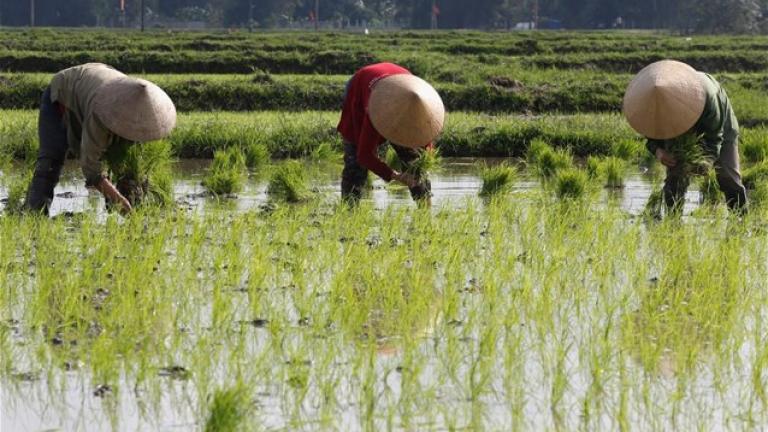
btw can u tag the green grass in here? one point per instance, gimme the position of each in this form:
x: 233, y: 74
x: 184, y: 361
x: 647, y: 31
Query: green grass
x: 753, y: 146
x: 302, y: 134
x: 755, y: 175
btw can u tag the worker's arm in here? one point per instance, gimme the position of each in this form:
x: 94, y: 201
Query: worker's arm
x: 92, y: 148
x: 111, y: 193
x: 712, y: 124
x: 367, y: 155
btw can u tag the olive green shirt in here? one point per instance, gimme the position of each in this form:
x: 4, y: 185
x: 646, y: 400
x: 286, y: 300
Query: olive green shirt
x: 75, y: 88
x: 717, y: 124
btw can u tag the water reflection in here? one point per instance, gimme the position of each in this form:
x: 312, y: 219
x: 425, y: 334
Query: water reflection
x: 457, y: 180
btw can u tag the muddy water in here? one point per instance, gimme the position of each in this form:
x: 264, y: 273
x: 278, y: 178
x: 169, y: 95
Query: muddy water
x: 457, y: 181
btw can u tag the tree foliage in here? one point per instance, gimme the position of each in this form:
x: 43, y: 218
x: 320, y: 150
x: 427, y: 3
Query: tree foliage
x: 685, y: 16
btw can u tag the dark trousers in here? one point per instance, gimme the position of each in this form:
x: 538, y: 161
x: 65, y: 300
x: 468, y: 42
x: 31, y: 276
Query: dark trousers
x: 50, y: 156
x: 728, y: 178
x: 354, y: 175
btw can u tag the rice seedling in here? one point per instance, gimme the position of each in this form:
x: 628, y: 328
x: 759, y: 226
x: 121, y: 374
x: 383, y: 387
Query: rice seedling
x: 429, y: 161
x: 758, y: 196
x: 497, y: 179
x: 16, y: 185
x: 141, y: 172
x: 392, y: 160
x: 627, y: 149
x: 535, y: 149
x: 226, y: 173
x: 546, y: 161
x: 276, y: 301
x: 325, y: 152
x: 615, y: 170
x: 289, y: 182
x: 594, y: 167
x: 229, y: 410
x: 689, y: 154
x: 571, y: 183
x: 709, y: 188
x: 256, y: 155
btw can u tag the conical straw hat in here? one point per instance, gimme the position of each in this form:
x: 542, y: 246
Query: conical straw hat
x: 406, y: 110
x: 665, y: 100
x: 135, y: 109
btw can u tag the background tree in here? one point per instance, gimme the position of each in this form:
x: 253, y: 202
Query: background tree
x: 684, y: 16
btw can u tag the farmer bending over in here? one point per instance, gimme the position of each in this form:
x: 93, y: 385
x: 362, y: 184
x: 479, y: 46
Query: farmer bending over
x: 669, y: 99
x: 87, y: 109
x: 385, y: 102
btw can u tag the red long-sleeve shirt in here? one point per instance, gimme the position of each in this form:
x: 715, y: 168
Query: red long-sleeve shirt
x: 355, y: 124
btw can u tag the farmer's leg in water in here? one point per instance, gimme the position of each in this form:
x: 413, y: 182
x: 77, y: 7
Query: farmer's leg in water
x: 729, y: 177
x: 50, y: 158
x: 423, y: 190
x: 353, y: 177
x: 675, y: 187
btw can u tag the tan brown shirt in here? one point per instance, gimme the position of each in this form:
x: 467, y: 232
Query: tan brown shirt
x: 75, y: 88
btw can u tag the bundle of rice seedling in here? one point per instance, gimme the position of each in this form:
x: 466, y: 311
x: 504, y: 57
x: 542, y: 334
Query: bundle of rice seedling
x: 709, y: 189
x: 571, y: 183
x: 256, y: 154
x: 497, y: 179
x: 229, y: 410
x: 429, y: 160
x: 227, y: 172
x: 289, y: 182
x: 615, y: 170
x: 535, y: 149
x: 142, y: 172
x: 655, y: 206
x: 689, y: 154
x: 594, y: 167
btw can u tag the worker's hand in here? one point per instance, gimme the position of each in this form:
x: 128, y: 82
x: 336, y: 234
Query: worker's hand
x: 665, y: 158
x: 406, y: 179
x: 112, y: 194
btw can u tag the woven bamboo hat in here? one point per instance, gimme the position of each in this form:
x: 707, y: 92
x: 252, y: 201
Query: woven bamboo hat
x: 135, y: 109
x: 406, y: 110
x: 664, y: 100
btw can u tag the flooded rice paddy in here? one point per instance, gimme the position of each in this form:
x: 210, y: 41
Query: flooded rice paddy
x: 457, y: 180
x: 520, y: 313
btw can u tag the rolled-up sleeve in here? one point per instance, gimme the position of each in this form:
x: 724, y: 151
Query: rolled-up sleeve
x: 92, y: 147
